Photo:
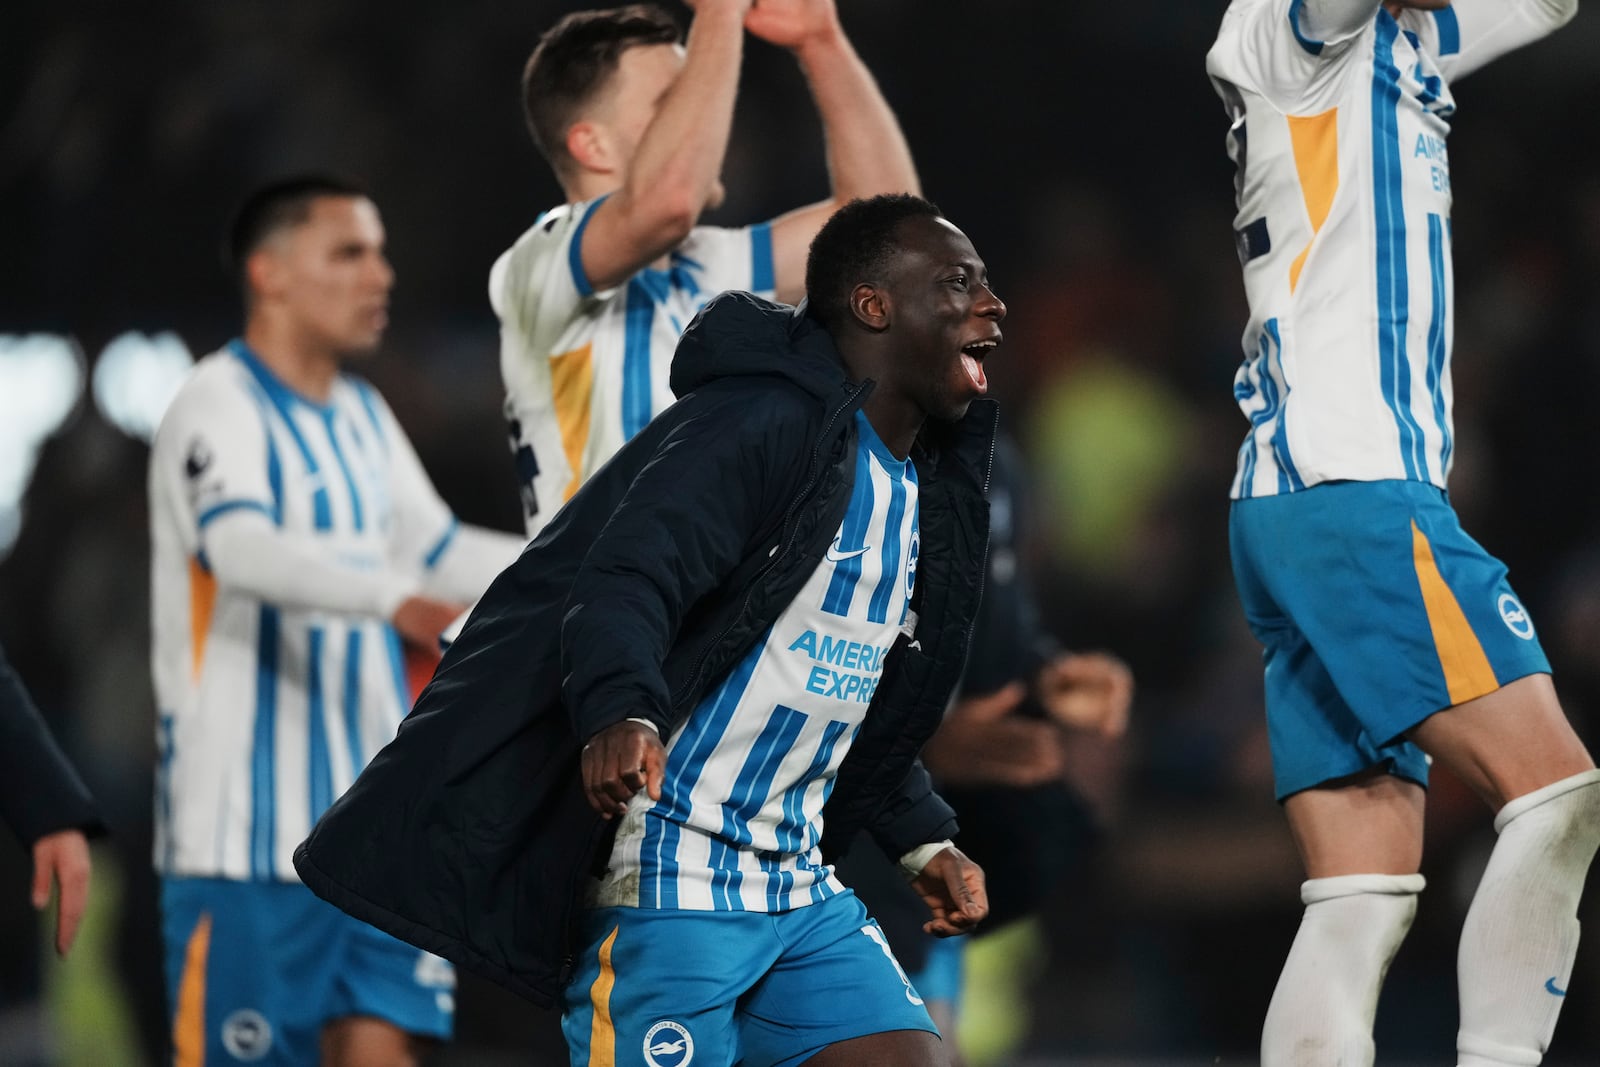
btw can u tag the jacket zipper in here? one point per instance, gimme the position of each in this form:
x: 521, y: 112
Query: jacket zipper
x: 783, y: 549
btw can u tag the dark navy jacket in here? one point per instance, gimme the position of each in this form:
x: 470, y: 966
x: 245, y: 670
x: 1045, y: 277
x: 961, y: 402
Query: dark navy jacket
x: 40, y: 792
x: 469, y: 834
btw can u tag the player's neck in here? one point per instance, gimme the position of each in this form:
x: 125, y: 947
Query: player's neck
x: 587, y: 187
x: 307, y: 369
x: 895, y: 419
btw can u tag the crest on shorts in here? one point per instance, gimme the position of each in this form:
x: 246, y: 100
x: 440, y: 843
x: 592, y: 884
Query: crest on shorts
x: 668, y: 1044
x: 247, y: 1035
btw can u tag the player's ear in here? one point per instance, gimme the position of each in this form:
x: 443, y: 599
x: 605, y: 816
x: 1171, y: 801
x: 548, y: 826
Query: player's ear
x: 263, y: 273
x: 870, y: 305
x: 590, y: 147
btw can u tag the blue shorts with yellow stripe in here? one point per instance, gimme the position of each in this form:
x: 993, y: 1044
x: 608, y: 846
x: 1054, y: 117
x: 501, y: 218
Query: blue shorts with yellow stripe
x: 256, y: 969
x: 1376, y: 610
x: 666, y: 988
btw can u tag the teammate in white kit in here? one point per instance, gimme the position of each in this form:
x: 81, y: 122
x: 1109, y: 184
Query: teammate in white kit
x: 592, y: 298
x: 295, y: 539
x: 1388, y: 631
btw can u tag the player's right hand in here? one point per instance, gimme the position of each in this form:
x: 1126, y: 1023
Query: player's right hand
x: 421, y: 619
x: 619, y: 761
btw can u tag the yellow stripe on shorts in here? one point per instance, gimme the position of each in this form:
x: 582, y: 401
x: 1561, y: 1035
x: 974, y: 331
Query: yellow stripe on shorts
x: 602, y: 1034
x: 1467, y: 674
x: 189, y: 1025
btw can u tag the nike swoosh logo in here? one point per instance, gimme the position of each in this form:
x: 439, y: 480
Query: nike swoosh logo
x: 835, y: 555
x: 1553, y: 989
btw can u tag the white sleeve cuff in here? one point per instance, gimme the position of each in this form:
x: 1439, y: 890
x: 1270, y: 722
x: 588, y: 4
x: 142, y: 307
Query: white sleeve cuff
x: 645, y: 722
x: 912, y: 863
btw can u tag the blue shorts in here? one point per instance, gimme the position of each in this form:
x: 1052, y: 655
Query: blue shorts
x: 657, y: 988
x: 1376, y: 610
x: 941, y: 974
x: 255, y: 969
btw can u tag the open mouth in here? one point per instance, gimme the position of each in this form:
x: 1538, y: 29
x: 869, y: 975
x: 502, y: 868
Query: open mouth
x: 972, y: 357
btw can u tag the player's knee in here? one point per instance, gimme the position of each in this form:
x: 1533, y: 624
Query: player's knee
x: 362, y: 1041
x: 894, y: 1048
x: 1370, y: 914
x: 1566, y: 814
x: 1323, y: 1007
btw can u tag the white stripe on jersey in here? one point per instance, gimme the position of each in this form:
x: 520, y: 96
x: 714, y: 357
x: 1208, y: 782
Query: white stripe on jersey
x: 584, y: 370
x: 1344, y: 232
x: 740, y: 816
x: 267, y: 713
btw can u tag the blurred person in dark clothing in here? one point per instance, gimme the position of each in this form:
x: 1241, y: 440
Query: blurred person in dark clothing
x: 46, y: 805
x: 1000, y: 758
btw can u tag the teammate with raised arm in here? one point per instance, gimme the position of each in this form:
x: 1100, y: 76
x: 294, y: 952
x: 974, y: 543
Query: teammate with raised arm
x: 1388, y: 631
x: 593, y: 297
x: 295, y: 539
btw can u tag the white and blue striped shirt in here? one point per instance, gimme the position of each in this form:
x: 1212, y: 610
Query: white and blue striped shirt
x: 1343, y: 228
x: 284, y: 534
x: 740, y: 815
x: 584, y: 370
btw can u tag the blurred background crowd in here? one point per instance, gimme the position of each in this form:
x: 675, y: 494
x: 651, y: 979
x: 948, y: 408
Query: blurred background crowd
x: 1081, y: 147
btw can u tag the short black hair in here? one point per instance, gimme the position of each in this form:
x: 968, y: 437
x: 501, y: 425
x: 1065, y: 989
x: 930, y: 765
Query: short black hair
x: 855, y: 246
x: 574, y: 58
x: 277, y: 206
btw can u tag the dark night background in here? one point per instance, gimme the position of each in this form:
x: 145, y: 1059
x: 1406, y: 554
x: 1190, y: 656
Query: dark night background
x: 1081, y: 148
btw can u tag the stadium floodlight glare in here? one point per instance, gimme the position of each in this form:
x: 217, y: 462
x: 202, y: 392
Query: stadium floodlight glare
x: 136, y: 377
x: 43, y: 375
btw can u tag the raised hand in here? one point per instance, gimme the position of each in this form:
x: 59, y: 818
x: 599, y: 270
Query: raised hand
x: 792, y: 23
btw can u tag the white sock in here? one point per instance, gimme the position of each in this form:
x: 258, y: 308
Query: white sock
x: 1322, y: 1010
x: 1521, y: 933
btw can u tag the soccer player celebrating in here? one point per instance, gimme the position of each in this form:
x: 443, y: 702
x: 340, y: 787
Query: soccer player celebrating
x: 1389, y: 633
x: 592, y: 299
x: 711, y: 670
x: 295, y: 539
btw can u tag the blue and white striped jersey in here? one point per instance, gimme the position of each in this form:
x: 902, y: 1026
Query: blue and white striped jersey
x: 268, y: 707
x: 584, y: 370
x: 740, y: 815
x: 1343, y: 228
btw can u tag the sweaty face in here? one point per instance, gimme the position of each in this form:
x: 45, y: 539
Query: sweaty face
x: 329, y: 278
x: 944, y: 320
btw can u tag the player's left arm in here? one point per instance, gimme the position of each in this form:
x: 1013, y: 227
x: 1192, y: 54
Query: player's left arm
x: 1470, y: 33
x: 456, y: 561
x: 866, y: 150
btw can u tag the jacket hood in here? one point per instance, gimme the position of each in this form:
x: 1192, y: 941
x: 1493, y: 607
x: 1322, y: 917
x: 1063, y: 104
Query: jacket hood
x: 739, y: 334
